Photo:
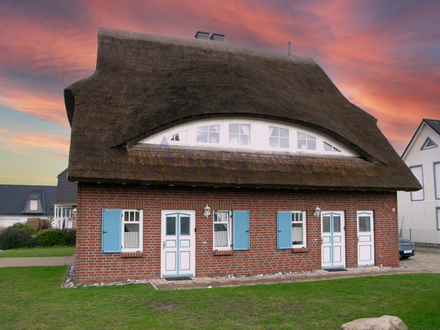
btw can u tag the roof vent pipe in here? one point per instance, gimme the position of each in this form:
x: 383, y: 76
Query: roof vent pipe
x: 202, y: 35
x: 217, y: 37
x: 289, y: 48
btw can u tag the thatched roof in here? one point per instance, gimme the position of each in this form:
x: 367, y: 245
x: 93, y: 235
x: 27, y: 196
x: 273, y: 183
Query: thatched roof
x: 145, y: 84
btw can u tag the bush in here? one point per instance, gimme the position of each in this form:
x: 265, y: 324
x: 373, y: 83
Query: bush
x: 52, y: 236
x: 24, y: 226
x: 15, y: 238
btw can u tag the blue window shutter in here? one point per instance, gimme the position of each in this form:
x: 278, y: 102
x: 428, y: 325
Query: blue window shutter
x: 284, y: 230
x: 111, y: 231
x: 240, y: 235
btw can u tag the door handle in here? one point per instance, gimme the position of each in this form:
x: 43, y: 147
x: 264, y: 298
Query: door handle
x: 164, y: 244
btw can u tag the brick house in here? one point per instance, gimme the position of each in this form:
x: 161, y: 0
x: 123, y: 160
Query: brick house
x: 201, y: 158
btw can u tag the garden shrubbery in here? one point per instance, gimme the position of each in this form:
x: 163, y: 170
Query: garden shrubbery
x: 24, y: 235
x: 52, y: 236
x: 14, y: 238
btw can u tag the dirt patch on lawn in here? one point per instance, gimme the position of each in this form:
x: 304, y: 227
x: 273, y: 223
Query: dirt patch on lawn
x: 168, y: 306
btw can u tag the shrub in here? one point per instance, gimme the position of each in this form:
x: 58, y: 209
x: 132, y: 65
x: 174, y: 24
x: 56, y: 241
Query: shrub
x: 24, y: 226
x: 52, y: 236
x: 15, y: 238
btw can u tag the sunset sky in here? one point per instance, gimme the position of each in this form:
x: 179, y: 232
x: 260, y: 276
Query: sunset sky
x: 384, y: 56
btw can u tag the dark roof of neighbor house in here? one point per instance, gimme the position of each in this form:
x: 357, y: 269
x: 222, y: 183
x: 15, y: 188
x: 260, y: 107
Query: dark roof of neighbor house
x: 66, y: 191
x: 144, y: 84
x: 15, y: 199
x: 433, y: 123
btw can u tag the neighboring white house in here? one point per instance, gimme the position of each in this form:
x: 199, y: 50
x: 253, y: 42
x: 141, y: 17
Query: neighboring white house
x: 419, y: 211
x: 18, y: 203
x: 65, y: 203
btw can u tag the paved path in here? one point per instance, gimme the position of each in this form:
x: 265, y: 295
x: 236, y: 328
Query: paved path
x: 26, y: 262
x: 420, y: 263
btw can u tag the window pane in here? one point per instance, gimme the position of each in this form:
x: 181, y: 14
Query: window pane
x: 171, y: 226
x: 301, y: 144
x: 131, y: 236
x: 245, y: 129
x: 327, y: 147
x: 131, y: 216
x: 437, y: 180
x: 214, y: 128
x: 284, y: 132
x: 234, y: 128
x: 273, y: 142
x: 214, y: 137
x: 220, y: 217
x: 311, y: 144
x: 220, y: 235
x: 301, y: 136
x: 418, y: 173
x: 284, y: 143
x: 273, y: 131
x: 297, y: 233
x: 202, y: 137
x: 184, y: 226
x: 202, y: 129
x: 233, y: 138
x: 326, y: 224
x: 244, y: 140
x: 364, y: 224
x: 336, y: 224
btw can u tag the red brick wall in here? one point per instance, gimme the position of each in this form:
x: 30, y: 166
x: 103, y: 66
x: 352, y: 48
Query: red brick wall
x: 263, y: 257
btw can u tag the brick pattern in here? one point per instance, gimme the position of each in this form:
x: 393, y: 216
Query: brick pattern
x: 263, y: 257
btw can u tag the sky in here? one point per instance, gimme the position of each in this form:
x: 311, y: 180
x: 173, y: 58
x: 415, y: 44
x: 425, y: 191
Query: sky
x: 384, y: 56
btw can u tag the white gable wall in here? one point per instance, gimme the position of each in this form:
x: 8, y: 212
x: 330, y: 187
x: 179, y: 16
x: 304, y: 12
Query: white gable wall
x: 418, y: 218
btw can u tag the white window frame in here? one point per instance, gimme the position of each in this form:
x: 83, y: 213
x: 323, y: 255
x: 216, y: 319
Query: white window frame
x: 240, y: 146
x: 295, y: 215
x: 33, y: 205
x: 425, y: 144
x: 437, y: 211
x: 437, y: 180
x: 229, y: 230
x: 308, y: 138
x: 208, y: 133
x: 420, y: 194
x: 279, y: 137
x: 125, y: 221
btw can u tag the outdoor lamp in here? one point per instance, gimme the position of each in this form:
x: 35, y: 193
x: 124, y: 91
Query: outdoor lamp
x: 207, y: 210
x: 317, y: 212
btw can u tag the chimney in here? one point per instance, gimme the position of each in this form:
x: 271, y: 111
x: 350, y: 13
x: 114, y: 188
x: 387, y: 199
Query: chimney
x: 217, y: 37
x: 202, y: 35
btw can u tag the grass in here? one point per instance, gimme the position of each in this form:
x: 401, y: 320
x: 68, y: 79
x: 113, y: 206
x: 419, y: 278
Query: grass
x: 32, y: 298
x: 38, y: 252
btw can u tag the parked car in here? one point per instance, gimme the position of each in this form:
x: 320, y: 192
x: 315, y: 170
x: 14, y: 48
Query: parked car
x: 406, y: 248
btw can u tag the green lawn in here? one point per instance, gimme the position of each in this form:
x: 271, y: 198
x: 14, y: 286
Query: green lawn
x: 31, y: 298
x: 39, y: 252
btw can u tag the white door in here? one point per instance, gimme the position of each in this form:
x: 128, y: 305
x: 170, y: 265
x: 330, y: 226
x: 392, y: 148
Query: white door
x: 178, y: 243
x: 333, y: 239
x: 365, y: 238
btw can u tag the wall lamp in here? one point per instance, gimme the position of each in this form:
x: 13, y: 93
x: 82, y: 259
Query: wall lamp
x: 207, y: 210
x: 317, y: 212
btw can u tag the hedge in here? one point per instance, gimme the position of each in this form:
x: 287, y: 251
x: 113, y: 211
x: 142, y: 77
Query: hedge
x: 52, y: 236
x: 15, y: 238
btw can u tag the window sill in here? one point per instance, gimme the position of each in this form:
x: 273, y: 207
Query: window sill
x: 300, y: 250
x: 223, y: 253
x: 132, y: 254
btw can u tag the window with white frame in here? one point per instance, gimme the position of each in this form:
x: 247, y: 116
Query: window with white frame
x: 291, y: 229
x: 131, y: 230
x: 429, y: 144
x: 178, y: 137
x: 208, y: 134
x: 33, y: 205
x: 222, y: 230
x: 438, y: 218
x: 329, y: 147
x: 278, y: 137
x: 418, y: 173
x: 437, y: 180
x: 306, y: 142
x: 240, y: 134
x: 298, y: 229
